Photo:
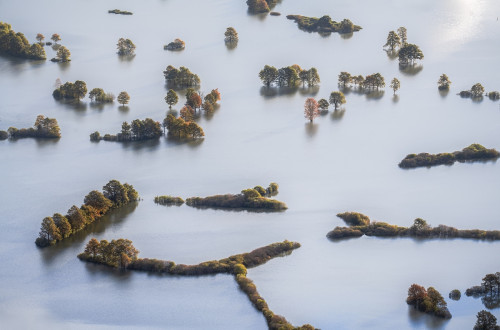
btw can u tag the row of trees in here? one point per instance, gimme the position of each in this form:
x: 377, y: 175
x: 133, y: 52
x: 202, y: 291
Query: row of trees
x: 16, y: 44
x: 290, y: 76
x: 78, y: 90
x: 137, y: 130
x: 96, y: 204
x: 181, y: 77
x: 194, y: 100
x: 179, y: 128
x: 429, y: 301
x: 117, y: 253
x: 44, y: 127
x: 372, y: 81
x: 125, y: 47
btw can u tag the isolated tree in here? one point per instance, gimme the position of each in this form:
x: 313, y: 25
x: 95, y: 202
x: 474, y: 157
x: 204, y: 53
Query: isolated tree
x: 55, y: 38
x: 187, y: 113
x: 311, y: 109
x: 345, y: 78
x: 63, y: 54
x: 395, y: 84
x: 92, y: 247
x: 49, y: 230
x: 312, y: 77
x: 477, y: 90
x: 40, y: 37
x: 171, y: 98
x: 231, y: 35
x: 123, y: 98
x: 125, y: 47
x: 486, y: 321
x: 393, y: 40
x: 337, y: 98
x: 402, y: 35
x: 268, y: 75
x: 323, y: 104
x: 444, y: 82
x: 79, y: 89
x: 408, y: 53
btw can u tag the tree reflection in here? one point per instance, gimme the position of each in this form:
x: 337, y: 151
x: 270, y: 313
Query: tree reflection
x: 311, y: 129
x: 410, y: 69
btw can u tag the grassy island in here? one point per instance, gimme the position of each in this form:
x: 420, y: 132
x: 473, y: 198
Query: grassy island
x: 360, y: 224
x: 16, y: 44
x: 122, y: 254
x: 120, y: 12
x: 250, y: 199
x: 474, y: 152
x: 44, y: 128
x: 323, y: 24
x: 429, y: 301
x: 96, y: 205
x: 177, y: 44
x: 169, y: 200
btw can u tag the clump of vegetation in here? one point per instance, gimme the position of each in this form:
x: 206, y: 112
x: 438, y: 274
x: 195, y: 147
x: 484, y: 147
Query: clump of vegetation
x: 125, y: 47
x: 489, y: 290
x: 120, y: 12
x: 260, y: 6
x: 324, y: 24
x: 311, y: 107
x: 475, y: 92
x: 494, y: 95
x: 373, y: 81
x: 178, y: 128
x: 420, y: 229
x: 428, y: 301
x: 455, y: 294
x: 444, y: 82
x: 4, y: 135
x: 123, y: 98
x: 168, y: 200
x: 181, y: 77
x: 290, y: 76
x: 486, y: 321
x: 96, y: 204
x: 337, y: 99
x: 118, y: 253
x: 474, y: 152
x: 98, y: 95
x: 71, y: 91
x: 275, y: 13
x: 393, y: 41
x: 44, y: 128
x: 231, y: 36
x: 409, y: 53
x: 63, y: 55
x: 249, y: 199
x: 16, y: 44
x: 177, y: 44
x: 138, y: 130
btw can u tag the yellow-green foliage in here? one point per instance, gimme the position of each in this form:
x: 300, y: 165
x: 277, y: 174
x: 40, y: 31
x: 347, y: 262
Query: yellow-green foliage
x: 169, y: 200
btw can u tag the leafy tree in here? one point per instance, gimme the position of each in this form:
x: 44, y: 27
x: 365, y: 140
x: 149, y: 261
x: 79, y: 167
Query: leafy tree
x: 346, y: 26
x: 63, y: 54
x: 311, y: 109
x: 490, y: 283
x: 132, y: 194
x: 258, y: 6
x: 231, y: 35
x: 36, y: 51
x: 171, y: 98
x: 345, y: 78
x: 76, y: 218
x: 477, y: 90
x: 287, y: 77
x: 402, y: 35
x: 486, y: 321
x: 323, y: 104
x: 208, y: 107
x: 408, y: 53
x: 193, y: 100
x: 358, y: 80
x: 92, y: 247
x: 125, y: 47
x: 97, y: 200
x: 444, y: 82
x: 194, y: 130
x: 419, y: 225
x: 393, y: 40
x: 395, y: 84
x: 416, y: 295
x: 337, y: 98
x: 116, y: 193
x: 40, y: 37
x: 268, y: 75
x: 96, y: 94
x: 187, y: 113
x: 55, y: 38
x: 126, y: 130
x: 80, y: 89
x: 63, y: 224
x: 96, y: 136
x: 49, y: 230
x: 304, y: 77
x: 375, y: 80
x: 123, y: 98
x: 181, y: 77
x: 47, y: 127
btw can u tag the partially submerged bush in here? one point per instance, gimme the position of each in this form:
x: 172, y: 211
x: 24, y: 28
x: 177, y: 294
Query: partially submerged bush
x: 354, y: 218
x: 169, y: 200
x: 455, y: 294
x: 324, y: 24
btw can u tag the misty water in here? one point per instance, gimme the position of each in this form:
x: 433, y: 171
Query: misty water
x: 345, y: 161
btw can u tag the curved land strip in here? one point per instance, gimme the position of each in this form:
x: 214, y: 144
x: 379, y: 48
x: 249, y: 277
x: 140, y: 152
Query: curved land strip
x: 474, y: 152
x: 122, y: 254
x: 249, y: 199
x: 323, y: 24
x: 360, y: 225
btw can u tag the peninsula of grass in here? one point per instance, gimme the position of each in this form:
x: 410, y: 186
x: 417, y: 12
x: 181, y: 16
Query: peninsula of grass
x: 360, y: 225
x: 122, y: 254
x: 120, y: 12
x: 256, y: 198
x: 323, y: 24
x: 474, y: 152
x: 169, y: 200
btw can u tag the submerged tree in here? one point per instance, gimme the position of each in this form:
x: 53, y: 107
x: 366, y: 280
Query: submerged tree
x: 55, y: 38
x: 125, y: 47
x: 337, y: 98
x: 393, y: 40
x: 409, y: 53
x: 268, y: 75
x: 395, y: 84
x: 171, y: 98
x: 323, y: 104
x: 231, y: 35
x: 444, y: 82
x: 63, y: 54
x: 123, y: 98
x: 311, y: 109
x: 345, y: 78
x: 486, y: 321
x: 402, y: 35
x: 40, y: 37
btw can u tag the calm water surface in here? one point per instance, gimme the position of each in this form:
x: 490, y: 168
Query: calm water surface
x: 345, y: 161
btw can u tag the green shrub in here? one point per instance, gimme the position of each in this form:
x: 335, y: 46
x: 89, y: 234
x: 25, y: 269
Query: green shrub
x: 169, y: 200
x: 354, y: 218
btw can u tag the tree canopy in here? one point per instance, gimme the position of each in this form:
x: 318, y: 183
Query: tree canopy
x: 409, y: 53
x: 125, y: 47
x: 337, y: 99
x: 16, y: 44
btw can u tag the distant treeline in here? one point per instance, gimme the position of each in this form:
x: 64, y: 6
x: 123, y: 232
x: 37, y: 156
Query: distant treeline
x: 474, y: 152
x: 323, y: 24
x: 122, y: 254
x: 290, y: 76
x: 96, y: 204
x: 359, y: 225
x: 45, y: 128
x: 254, y: 199
x: 181, y: 77
x: 16, y: 44
x: 139, y: 130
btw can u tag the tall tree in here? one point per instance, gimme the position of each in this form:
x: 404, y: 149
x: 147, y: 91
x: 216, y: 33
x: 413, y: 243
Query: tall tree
x: 231, y: 35
x: 444, y: 82
x: 123, y: 98
x: 126, y: 130
x: 395, y: 85
x: 268, y: 75
x: 402, y: 35
x: 76, y: 218
x: 337, y: 98
x: 313, y: 77
x: 116, y: 193
x: 79, y: 89
x: 55, y: 38
x: 486, y: 321
x: 477, y: 90
x: 345, y: 78
x: 311, y: 109
x: 97, y: 200
x: 171, y: 98
x: 92, y: 247
x: 393, y: 40
x: 358, y: 80
x: 416, y: 295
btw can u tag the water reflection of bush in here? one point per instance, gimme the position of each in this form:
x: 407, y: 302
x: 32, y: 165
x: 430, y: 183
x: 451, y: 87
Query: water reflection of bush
x: 338, y: 114
x: 179, y: 89
x: 418, y: 319
x: 231, y: 45
x: 410, y: 69
x: 311, y: 129
x: 270, y: 92
x: 391, y: 54
x: 141, y: 146
x: 115, y: 217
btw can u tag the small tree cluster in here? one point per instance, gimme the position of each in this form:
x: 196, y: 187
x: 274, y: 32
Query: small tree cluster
x: 63, y: 55
x: 138, y: 130
x: 289, y: 76
x: 260, y: 6
x: 179, y: 128
x: 181, y: 77
x: 96, y: 204
x: 98, y: 95
x: 372, y: 81
x: 71, y: 91
x: 125, y: 47
x: 177, y: 44
x: 44, y: 127
x: 117, y: 253
x: 429, y: 301
x: 16, y: 44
